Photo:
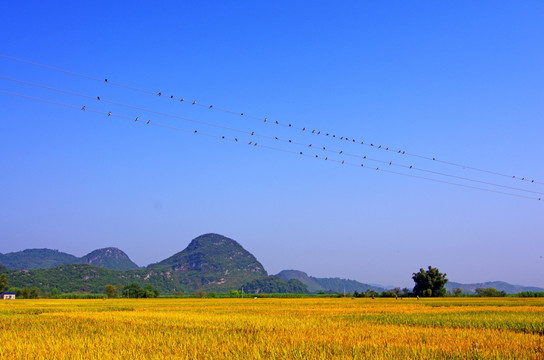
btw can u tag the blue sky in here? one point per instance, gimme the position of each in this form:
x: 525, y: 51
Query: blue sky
x: 462, y: 82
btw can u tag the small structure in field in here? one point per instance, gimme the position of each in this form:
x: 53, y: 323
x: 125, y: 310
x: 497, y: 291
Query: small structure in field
x: 8, y: 295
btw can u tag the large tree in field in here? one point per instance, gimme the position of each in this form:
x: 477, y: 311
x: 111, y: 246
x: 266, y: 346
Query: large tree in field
x: 429, y: 282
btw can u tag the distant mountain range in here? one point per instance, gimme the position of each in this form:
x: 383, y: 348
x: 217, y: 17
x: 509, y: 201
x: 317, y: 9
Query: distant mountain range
x: 211, y: 262
x: 499, y: 285
x: 327, y: 284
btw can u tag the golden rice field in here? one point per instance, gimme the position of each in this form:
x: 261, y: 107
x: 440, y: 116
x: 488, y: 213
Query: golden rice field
x: 308, y: 328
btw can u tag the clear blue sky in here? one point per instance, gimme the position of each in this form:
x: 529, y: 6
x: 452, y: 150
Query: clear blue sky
x: 460, y: 81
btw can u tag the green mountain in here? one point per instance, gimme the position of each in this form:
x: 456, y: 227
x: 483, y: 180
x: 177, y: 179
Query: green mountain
x: 499, y: 285
x: 327, y: 284
x: 36, y: 259
x: 110, y: 258
x: 275, y: 284
x: 212, y: 262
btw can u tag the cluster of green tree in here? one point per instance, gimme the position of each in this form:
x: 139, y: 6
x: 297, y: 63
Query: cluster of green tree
x: 490, y: 292
x: 392, y: 293
x: 274, y: 284
x: 134, y: 291
x: 430, y: 282
x: 531, y: 294
x: 37, y: 293
x: 78, y: 296
x: 27, y: 293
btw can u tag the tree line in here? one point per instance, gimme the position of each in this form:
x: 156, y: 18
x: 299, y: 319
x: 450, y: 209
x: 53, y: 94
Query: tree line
x: 428, y: 283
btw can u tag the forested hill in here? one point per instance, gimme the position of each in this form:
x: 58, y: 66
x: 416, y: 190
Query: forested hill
x: 212, y: 261
x: 36, y: 259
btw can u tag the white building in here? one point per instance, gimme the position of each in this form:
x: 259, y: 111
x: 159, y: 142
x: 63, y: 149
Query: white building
x: 7, y: 295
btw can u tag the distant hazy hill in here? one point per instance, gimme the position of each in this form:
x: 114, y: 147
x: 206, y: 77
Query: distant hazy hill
x: 110, y: 258
x: 327, y: 284
x: 36, y: 259
x: 212, y: 261
x: 499, y: 285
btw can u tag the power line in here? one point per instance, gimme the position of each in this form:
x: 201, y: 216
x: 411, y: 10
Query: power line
x: 255, y: 144
x: 266, y: 120
x: 253, y: 133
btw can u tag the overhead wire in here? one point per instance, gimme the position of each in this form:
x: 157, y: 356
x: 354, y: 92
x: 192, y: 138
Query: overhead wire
x: 288, y: 125
x: 235, y: 140
x: 276, y: 138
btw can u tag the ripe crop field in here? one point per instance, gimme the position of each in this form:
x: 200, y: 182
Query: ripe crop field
x: 265, y: 328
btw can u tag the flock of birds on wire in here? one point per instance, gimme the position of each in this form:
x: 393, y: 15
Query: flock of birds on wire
x: 387, y: 165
